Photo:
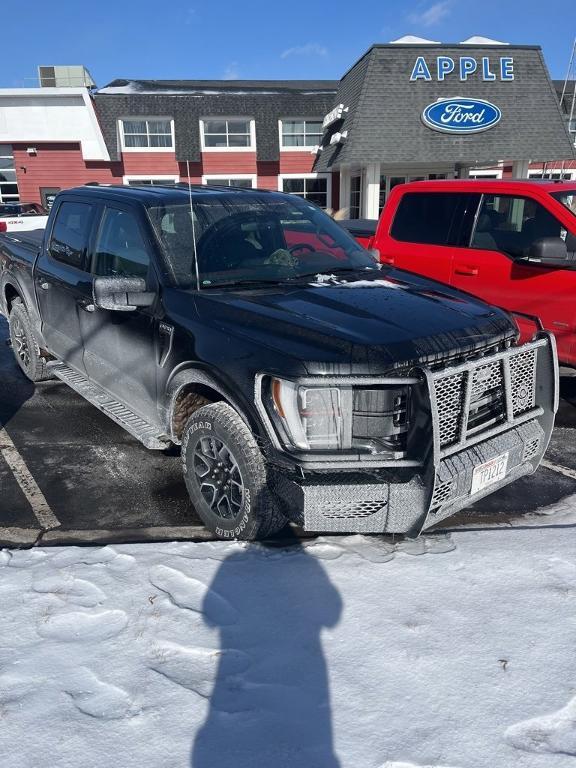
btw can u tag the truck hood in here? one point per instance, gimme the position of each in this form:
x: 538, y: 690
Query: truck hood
x: 365, y: 322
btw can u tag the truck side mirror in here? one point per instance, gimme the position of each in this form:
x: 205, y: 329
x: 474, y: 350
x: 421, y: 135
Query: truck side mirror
x: 549, y: 250
x: 121, y: 294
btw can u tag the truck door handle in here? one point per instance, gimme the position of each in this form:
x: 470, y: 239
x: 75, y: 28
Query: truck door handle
x: 470, y: 271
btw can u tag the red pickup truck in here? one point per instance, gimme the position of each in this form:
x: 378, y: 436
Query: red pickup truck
x: 511, y: 243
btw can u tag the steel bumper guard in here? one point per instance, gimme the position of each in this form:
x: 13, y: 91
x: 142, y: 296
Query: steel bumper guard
x: 470, y: 425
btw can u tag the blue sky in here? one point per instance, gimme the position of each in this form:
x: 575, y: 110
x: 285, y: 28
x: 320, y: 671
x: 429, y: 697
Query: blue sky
x: 264, y: 39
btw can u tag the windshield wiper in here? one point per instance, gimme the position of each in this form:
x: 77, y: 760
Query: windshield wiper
x: 328, y: 272
x: 242, y: 284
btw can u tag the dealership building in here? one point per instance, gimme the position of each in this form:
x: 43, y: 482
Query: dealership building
x: 412, y: 109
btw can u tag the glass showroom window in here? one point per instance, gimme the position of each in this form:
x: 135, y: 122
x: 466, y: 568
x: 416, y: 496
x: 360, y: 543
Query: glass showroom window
x: 155, y: 134
x: 315, y: 190
x: 246, y: 183
x: 225, y: 133
x: 8, y: 184
x: 301, y: 133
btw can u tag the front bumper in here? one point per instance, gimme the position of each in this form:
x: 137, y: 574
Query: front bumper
x: 407, y: 500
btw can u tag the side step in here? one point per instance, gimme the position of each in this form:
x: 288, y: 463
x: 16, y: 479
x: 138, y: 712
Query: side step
x: 148, y: 434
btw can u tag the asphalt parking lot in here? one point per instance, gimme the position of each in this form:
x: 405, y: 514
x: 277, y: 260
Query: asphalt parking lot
x: 88, y: 481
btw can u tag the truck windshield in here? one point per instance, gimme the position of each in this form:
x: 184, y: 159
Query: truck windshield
x: 568, y: 199
x: 248, y: 239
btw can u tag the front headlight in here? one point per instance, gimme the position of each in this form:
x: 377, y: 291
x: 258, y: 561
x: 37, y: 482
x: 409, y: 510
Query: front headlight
x: 312, y: 417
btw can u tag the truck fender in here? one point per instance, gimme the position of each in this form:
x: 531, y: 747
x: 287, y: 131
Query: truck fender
x: 11, y: 285
x: 205, y: 379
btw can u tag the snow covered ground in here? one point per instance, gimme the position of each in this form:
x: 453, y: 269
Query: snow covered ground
x: 454, y: 651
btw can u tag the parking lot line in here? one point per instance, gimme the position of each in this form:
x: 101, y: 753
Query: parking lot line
x: 40, y: 506
x: 558, y: 468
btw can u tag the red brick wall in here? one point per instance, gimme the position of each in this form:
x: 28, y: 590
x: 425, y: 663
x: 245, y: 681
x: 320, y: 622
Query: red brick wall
x: 268, y: 175
x: 229, y: 163
x: 296, y: 162
x: 58, y: 165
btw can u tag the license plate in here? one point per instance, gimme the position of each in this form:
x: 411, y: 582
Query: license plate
x: 489, y: 473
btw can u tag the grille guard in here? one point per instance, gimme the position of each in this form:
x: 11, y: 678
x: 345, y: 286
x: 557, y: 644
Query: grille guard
x: 538, y: 399
x: 385, y: 501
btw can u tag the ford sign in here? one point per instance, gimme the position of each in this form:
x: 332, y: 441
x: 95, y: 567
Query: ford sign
x: 459, y: 115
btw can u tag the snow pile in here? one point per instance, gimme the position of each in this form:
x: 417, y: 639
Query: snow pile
x: 445, y: 652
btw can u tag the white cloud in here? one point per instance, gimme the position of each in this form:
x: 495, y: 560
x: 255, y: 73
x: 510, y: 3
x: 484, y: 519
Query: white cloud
x: 231, y: 72
x: 310, y: 49
x: 432, y: 15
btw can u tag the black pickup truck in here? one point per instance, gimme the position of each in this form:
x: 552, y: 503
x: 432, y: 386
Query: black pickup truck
x: 303, y: 381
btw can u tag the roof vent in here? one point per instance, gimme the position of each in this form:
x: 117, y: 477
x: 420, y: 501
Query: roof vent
x: 479, y: 40
x: 413, y: 40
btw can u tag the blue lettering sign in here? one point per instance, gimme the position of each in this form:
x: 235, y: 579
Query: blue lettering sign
x: 444, y: 65
x: 467, y: 66
x: 460, y: 115
x: 486, y: 73
x: 507, y: 68
x: 420, y: 70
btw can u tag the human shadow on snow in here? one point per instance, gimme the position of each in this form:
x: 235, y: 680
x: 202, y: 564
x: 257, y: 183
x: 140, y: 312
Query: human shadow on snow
x: 271, y: 707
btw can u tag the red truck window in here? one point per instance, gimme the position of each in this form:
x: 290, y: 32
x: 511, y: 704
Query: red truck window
x: 512, y: 224
x: 436, y: 218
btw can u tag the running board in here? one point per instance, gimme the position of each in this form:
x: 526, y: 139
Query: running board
x: 148, y: 434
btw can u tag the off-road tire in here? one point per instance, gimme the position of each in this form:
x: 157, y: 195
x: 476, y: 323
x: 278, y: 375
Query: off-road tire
x: 253, y: 511
x: 25, y: 344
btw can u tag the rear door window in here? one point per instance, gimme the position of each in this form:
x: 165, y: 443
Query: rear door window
x: 435, y: 218
x: 70, y: 233
x: 512, y: 224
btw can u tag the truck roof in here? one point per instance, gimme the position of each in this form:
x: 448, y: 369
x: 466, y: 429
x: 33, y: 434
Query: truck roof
x: 148, y: 194
x: 504, y: 185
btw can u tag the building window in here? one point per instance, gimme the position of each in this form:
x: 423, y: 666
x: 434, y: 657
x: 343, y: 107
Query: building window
x: 311, y: 187
x: 221, y: 134
x: 153, y: 134
x: 8, y: 184
x: 554, y: 175
x: 355, y: 196
x: 150, y: 181
x: 248, y: 181
x: 300, y: 134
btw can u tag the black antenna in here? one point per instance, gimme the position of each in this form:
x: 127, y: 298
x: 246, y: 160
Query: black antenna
x: 193, y: 227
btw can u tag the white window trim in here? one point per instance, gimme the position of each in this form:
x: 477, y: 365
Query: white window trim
x: 251, y: 148
x: 152, y: 177
x: 295, y: 149
x: 473, y: 173
x: 566, y: 172
x: 145, y: 149
x: 226, y: 176
x: 327, y: 176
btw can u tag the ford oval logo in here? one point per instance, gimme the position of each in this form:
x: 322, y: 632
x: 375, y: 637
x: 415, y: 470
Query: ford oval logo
x: 459, y: 115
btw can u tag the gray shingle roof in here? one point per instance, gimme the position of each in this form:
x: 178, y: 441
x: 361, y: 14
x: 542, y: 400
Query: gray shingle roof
x: 187, y: 101
x: 384, y: 118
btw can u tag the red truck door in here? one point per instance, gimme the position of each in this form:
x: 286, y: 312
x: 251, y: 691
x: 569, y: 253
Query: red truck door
x: 496, y: 267
x: 419, y: 231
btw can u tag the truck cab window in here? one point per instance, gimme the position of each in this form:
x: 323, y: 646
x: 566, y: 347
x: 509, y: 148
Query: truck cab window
x: 436, y: 218
x: 70, y: 233
x: 513, y: 224
x: 120, y: 248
